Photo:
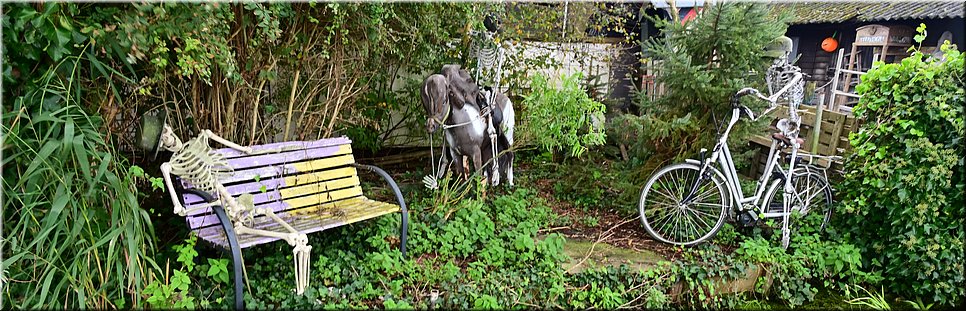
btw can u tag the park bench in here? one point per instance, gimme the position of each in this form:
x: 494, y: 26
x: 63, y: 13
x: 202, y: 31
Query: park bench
x: 312, y: 185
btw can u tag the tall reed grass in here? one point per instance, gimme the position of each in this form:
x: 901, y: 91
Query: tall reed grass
x: 74, y: 234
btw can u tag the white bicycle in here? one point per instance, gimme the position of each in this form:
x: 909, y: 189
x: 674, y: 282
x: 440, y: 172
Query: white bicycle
x: 687, y: 203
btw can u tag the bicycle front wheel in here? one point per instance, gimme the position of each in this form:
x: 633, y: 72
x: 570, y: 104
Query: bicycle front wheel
x: 666, y: 215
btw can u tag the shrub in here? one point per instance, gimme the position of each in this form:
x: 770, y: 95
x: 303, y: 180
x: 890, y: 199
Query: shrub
x: 563, y: 119
x: 75, y: 235
x: 903, y: 188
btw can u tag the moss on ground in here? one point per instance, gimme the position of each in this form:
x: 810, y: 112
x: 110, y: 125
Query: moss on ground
x: 605, y: 255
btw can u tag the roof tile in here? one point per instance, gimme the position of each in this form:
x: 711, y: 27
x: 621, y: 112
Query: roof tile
x: 814, y: 12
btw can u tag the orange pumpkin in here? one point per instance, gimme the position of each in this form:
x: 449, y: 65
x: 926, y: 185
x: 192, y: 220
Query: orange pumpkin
x: 830, y: 44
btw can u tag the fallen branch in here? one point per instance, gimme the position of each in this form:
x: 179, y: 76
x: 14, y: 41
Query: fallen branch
x: 600, y: 238
x: 553, y: 229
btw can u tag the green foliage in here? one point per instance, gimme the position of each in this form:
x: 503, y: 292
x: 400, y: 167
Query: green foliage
x: 191, y: 285
x: 904, y: 183
x: 477, y: 254
x: 874, y: 301
x: 703, y: 270
x: 594, y: 183
x: 137, y: 171
x: 627, y: 130
x: 811, y: 260
x: 702, y: 64
x: 918, y: 304
x: 75, y: 234
x: 622, y: 287
x: 565, y: 118
x: 31, y: 36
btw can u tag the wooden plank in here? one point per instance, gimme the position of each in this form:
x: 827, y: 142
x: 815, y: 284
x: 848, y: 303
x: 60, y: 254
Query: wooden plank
x: 254, y: 187
x: 287, y: 157
x: 288, y: 169
x: 761, y: 140
x: 349, y: 203
x: 361, y: 209
x: 293, y: 180
x: 837, y: 131
x: 289, y: 145
x: 275, y: 194
x: 311, y: 201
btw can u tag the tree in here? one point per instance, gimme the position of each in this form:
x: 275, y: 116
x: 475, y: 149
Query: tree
x: 702, y: 64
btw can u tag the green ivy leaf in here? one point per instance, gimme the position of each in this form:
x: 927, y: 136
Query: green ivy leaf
x: 180, y: 280
x: 218, y: 268
x: 135, y: 171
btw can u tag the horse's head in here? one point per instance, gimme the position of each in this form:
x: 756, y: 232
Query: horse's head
x: 436, y: 96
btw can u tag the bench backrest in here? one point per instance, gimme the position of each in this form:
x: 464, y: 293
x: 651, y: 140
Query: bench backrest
x: 303, y: 178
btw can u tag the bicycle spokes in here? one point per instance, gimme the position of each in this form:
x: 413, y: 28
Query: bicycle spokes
x: 681, y: 208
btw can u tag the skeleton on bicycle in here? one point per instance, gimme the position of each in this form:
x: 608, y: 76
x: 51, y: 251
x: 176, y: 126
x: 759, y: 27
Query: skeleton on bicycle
x: 687, y: 203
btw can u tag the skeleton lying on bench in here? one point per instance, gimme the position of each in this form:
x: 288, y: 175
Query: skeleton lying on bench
x: 195, y: 163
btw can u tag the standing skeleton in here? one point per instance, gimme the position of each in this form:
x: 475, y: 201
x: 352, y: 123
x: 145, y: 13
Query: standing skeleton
x: 196, y: 163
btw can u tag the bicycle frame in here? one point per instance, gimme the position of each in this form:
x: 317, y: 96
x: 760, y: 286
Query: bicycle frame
x: 725, y: 168
x: 775, y: 187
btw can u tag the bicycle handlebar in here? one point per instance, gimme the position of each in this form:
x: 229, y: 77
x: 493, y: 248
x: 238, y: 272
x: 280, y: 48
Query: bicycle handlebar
x: 744, y: 109
x: 772, y: 100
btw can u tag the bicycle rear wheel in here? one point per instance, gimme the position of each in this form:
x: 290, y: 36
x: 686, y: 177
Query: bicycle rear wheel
x: 665, y: 215
x: 812, y: 195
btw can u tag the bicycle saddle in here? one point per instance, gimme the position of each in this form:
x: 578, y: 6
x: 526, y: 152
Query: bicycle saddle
x: 781, y: 137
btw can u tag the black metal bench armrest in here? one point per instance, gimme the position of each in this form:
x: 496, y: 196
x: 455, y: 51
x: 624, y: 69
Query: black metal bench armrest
x: 232, y: 242
x: 204, y: 195
x: 399, y: 198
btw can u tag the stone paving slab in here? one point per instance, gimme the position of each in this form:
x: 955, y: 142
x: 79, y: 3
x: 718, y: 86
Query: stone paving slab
x: 605, y: 255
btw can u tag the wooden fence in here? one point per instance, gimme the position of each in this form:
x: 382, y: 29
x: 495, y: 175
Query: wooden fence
x: 832, y: 141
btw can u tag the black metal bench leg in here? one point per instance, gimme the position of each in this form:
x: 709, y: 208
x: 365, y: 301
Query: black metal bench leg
x: 405, y: 228
x: 235, y: 254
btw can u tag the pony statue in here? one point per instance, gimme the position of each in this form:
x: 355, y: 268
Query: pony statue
x: 476, y: 124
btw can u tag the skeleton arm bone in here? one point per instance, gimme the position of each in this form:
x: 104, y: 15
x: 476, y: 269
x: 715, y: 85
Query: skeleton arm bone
x: 226, y: 142
x: 774, y: 97
x: 166, y: 173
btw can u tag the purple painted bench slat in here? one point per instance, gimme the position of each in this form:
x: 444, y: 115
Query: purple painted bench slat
x: 274, y: 191
x: 281, y: 207
x: 229, y: 153
x: 284, y: 157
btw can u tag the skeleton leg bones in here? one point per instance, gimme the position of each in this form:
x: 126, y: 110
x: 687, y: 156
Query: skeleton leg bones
x: 302, y: 251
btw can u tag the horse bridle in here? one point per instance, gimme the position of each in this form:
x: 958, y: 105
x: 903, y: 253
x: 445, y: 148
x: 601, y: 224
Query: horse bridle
x: 432, y: 115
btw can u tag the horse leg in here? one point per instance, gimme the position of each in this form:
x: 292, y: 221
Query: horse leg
x: 464, y: 162
x: 444, y: 164
x: 478, y: 164
x: 508, y: 167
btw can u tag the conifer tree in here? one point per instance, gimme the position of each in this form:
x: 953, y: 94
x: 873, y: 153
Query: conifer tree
x: 702, y: 63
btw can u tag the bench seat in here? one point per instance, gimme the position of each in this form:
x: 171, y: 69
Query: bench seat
x: 358, y: 209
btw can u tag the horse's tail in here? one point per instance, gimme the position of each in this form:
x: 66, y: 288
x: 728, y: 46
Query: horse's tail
x: 509, y: 117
